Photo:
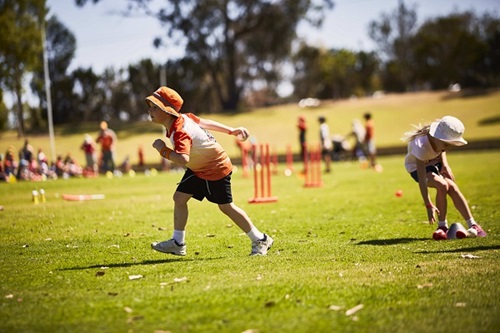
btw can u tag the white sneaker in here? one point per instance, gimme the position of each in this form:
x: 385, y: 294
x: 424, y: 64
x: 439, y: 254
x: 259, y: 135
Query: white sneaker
x: 260, y: 247
x: 170, y: 246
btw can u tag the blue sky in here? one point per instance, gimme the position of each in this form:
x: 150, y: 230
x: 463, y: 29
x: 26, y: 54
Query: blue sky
x: 105, y: 40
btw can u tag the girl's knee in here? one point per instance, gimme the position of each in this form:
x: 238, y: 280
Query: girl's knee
x: 452, y: 187
x: 442, y: 186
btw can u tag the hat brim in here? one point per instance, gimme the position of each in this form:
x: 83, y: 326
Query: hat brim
x: 153, y: 100
x: 432, y: 132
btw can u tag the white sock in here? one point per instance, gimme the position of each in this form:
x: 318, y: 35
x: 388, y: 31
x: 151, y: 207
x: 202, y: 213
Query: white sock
x: 471, y: 222
x: 443, y: 224
x: 179, y: 236
x: 255, y: 234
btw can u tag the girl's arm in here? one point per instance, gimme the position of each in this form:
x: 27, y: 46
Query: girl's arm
x: 446, y: 169
x: 212, y: 125
x: 422, y: 184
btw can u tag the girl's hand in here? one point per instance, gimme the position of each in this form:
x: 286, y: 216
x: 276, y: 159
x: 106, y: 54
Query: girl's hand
x: 159, y: 144
x: 241, y: 133
x: 431, y: 213
x: 447, y: 173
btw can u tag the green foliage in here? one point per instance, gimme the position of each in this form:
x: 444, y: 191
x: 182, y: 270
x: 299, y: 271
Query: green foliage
x: 237, y: 43
x: 444, y: 50
x: 66, y: 266
x: 4, y: 113
x: 20, y: 45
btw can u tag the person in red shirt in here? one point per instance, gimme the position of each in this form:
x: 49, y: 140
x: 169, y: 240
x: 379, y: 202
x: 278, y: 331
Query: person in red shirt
x: 88, y: 147
x: 107, y: 139
x: 301, y: 125
x: 370, y: 141
x: 208, y: 168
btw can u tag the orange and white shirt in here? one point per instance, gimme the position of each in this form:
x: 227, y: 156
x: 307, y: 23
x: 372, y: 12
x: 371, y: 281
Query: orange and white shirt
x: 207, y: 159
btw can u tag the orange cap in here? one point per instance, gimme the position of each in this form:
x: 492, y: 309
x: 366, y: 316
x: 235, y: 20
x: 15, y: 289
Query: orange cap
x: 166, y: 99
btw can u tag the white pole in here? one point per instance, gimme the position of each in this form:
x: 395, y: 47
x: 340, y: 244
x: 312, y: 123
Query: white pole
x: 49, y: 98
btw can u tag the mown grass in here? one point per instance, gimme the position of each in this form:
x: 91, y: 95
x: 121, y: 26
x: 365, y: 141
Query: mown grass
x: 65, y: 266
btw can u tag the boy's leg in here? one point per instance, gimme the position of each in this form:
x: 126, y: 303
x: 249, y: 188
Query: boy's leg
x: 261, y: 242
x: 176, y: 245
x: 181, y: 210
x: 238, y: 215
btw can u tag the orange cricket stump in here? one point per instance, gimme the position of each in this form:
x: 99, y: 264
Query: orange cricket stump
x: 312, y: 168
x: 262, y: 176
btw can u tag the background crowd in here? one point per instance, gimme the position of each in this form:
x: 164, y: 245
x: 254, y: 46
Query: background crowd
x: 33, y: 165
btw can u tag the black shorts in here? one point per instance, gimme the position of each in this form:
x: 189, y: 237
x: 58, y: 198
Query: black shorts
x: 436, y: 168
x: 217, y: 191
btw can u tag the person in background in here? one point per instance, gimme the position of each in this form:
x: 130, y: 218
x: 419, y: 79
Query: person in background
x: 107, y: 139
x: 9, y: 162
x: 369, y: 141
x: 358, y: 132
x: 25, y: 157
x: 326, y: 142
x: 3, y: 175
x: 302, y: 126
x: 89, y: 149
x: 427, y: 163
x: 208, y: 169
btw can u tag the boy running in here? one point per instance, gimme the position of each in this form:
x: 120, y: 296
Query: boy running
x: 208, y: 169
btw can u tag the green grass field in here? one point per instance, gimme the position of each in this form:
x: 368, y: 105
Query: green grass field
x: 351, y: 244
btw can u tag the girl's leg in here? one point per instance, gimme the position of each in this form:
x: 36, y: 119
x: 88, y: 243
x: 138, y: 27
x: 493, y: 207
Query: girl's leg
x: 459, y: 200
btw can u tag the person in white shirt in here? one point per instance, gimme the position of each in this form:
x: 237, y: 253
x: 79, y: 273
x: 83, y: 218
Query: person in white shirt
x: 326, y: 143
x: 427, y: 164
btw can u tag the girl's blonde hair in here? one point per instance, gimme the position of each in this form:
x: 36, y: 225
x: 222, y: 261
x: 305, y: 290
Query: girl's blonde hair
x: 419, y: 130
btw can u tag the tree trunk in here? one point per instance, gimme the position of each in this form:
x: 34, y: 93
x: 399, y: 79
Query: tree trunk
x: 20, y: 118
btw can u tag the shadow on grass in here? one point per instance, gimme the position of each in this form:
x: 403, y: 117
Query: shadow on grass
x: 392, y: 241
x: 130, y: 264
x: 464, y: 249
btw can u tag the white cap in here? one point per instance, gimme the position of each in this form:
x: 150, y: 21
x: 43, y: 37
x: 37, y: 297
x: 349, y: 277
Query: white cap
x: 449, y: 129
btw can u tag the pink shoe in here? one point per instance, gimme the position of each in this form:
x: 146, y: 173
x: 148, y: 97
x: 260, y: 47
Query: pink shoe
x: 480, y: 231
x: 440, y: 234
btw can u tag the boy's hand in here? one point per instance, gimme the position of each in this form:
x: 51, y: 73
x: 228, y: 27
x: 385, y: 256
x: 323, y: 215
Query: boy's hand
x: 241, y: 133
x: 159, y: 144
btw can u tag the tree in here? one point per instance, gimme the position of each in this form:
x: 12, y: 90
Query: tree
x: 491, y: 64
x: 3, y: 113
x: 449, y: 50
x: 333, y: 73
x: 20, y: 46
x: 393, y: 35
x: 307, y: 81
x: 237, y: 42
x: 90, y: 97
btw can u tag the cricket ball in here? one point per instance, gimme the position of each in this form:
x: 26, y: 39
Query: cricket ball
x: 399, y: 193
